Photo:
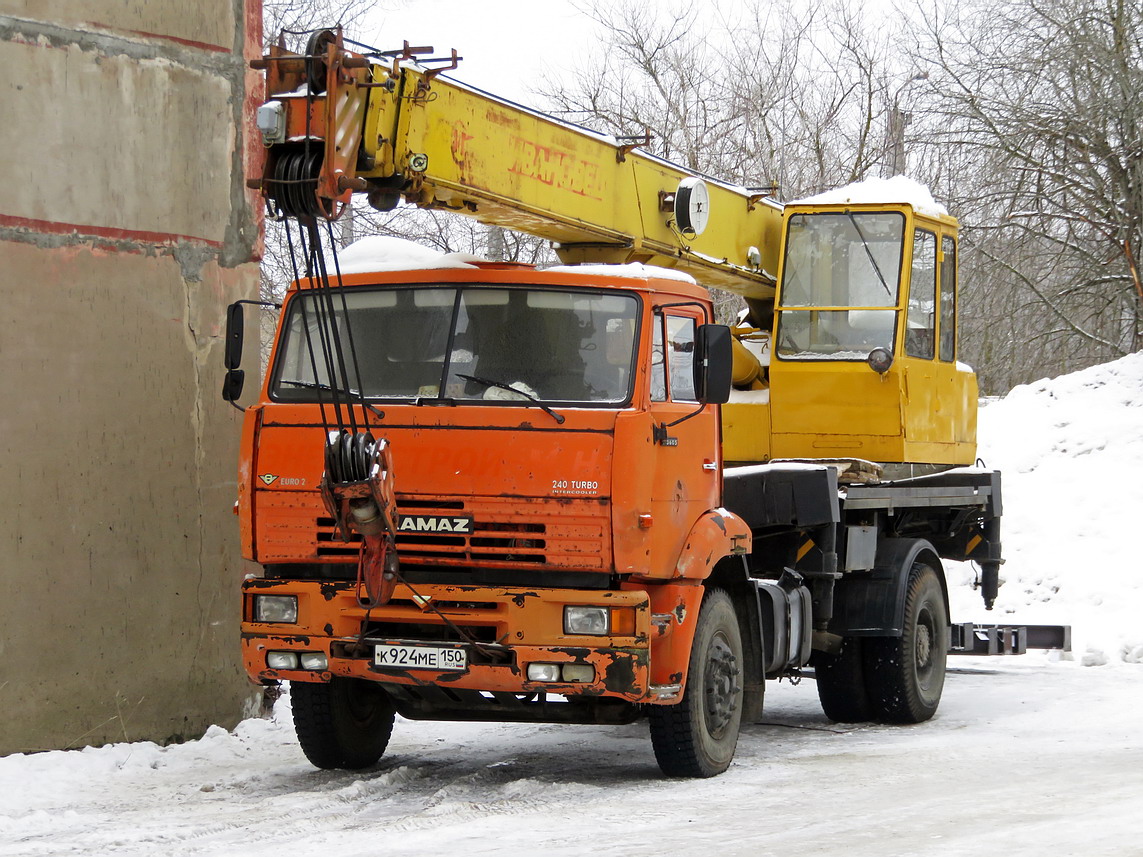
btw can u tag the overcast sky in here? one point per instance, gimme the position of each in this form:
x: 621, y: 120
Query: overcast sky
x: 507, y: 45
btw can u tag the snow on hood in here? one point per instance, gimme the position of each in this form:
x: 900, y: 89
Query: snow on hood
x: 383, y: 253
x: 897, y: 189
x: 1070, y: 451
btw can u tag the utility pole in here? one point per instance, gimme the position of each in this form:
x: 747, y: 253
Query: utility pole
x: 496, y: 244
x: 895, y: 131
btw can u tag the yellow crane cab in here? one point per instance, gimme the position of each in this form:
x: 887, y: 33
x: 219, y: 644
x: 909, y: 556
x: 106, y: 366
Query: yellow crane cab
x: 861, y: 359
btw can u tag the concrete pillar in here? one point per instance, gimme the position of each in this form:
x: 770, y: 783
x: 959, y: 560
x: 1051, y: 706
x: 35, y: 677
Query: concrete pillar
x: 125, y: 229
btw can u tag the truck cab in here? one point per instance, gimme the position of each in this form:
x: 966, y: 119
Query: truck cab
x: 555, y: 457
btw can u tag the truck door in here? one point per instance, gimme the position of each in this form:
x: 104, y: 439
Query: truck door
x: 686, y: 456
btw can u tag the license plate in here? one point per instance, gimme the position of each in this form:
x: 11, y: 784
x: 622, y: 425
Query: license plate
x: 392, y: 656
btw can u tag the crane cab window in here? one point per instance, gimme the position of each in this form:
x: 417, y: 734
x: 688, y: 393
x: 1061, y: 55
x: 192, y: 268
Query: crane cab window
x: 948, y: 300
x: 921, y: 324
x: 839, y: 284
x: 674, y: 361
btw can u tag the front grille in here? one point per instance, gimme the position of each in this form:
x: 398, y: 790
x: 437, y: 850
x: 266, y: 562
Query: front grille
x: 566, y: 535
x: 553, y: 536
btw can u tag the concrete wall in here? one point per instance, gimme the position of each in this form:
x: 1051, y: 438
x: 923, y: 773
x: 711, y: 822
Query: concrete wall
x: 125, y: 229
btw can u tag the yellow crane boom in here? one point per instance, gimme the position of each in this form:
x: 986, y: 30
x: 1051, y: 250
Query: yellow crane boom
x: 340, y: 122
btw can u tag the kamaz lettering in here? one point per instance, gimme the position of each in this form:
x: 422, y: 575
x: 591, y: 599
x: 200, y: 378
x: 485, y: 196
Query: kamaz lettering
x: 434, y: 524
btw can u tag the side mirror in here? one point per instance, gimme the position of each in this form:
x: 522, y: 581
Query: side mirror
x: 232, y: 384
x: 235, y: 328
x: 714, y: 362
x: 232, y: 353
x: 232, y: 349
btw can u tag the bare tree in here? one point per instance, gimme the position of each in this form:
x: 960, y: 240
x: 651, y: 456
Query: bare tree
x: 1039, y: 102
x: 774, y: 94
x: 782, y: 95
x: 297, y: 18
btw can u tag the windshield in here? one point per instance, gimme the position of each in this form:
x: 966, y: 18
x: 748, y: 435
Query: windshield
x: 840, y: 284
x: 466, y: 343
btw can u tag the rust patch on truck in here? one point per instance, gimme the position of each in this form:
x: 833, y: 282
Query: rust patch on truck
x: 620, y: 676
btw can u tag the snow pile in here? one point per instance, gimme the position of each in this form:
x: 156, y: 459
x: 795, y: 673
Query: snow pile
x: 1071, y: 453
x: 894, y: 190
x: 382, y: 253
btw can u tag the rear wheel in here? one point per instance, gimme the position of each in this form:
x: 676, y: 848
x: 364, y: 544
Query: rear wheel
x: 343, y: 724
x: 697, y: 736
x: 840, y: 678
x: 905, y: 675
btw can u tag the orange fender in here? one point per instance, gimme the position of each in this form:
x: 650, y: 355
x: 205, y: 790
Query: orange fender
x: 715, y: 535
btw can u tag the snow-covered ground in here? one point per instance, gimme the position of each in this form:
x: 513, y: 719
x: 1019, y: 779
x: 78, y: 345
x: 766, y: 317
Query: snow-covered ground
x: 1027, y: 756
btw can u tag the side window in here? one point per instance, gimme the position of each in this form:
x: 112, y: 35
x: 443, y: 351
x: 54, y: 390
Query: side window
x: 948, y: 299
x: 921, y: 322
x: 681, y: 357
x: 658, y: 364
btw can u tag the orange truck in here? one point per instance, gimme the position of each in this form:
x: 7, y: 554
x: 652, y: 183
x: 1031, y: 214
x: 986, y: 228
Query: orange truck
x: 486, y: 491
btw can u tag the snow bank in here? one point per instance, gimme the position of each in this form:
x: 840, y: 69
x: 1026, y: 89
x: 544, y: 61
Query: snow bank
x: 382, y: 253
x: 1071, y: 453
x: 897, y: 189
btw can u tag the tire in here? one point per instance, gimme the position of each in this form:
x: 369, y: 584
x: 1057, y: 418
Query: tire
x: 904, y: 676
x: 344, y: 724
x: 840, y: 678
x: 697, y: 736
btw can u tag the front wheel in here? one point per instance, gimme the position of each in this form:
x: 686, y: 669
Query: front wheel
x: 697, y: 736
x: 905, y: 675
x: 343, y: 724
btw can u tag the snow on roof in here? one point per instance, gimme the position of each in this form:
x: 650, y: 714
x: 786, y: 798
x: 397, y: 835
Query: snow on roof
x: 898, y: 189
x: 383, y: 253
x: 634, y: 270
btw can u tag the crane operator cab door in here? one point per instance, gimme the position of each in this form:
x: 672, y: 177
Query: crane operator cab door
x: 922, y: 402
x: 939, y: 403
x: 864, y: 360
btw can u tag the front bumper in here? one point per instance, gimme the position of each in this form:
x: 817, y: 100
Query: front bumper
x: 513, y: 627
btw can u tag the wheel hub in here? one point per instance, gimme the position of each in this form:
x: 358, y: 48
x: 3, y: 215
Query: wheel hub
x: 721, y: 686
x: 924, y: 646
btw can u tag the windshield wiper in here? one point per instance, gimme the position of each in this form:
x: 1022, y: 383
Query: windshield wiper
x: 869, y: 253
x: 355, y: 394
x: 559, y: 418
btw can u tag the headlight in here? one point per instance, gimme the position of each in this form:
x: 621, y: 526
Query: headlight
x: 282, y: 660
x: 313, y: 660
x: 275, y: 608
x: 594, y: 621
x: 581, y: 673
x: 543, y: 672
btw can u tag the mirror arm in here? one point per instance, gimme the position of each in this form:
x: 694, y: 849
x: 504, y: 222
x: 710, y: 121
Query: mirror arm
x: 685, y: 417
